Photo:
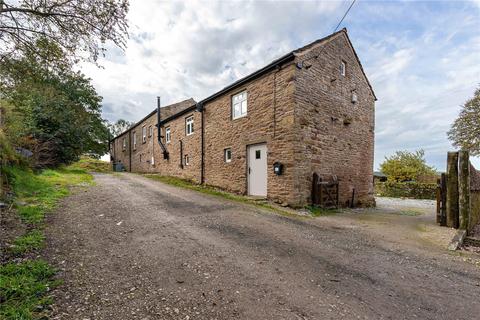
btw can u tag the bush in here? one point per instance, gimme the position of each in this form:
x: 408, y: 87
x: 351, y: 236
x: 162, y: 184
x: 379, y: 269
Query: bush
x: 412, y: 190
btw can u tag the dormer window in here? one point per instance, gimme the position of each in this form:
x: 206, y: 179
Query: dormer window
x: 343, y: 68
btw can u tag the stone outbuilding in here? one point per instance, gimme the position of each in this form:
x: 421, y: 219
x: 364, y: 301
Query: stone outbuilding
x: 310, y: 111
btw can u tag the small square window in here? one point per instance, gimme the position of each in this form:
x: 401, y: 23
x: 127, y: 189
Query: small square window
x: 167, y: 135
x: 189, y: 125
x: 227, y: 155
x: 186, y: 160
x: 239, y: 105
x: 343, y: 68
x: 257, y: 154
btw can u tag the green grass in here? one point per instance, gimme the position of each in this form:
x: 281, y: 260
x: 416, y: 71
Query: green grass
x: 92, y: 165
x: 33, y: 240
x: 218, y: 193
x: 36, y: 194
x: 319, y: 212
x: 23, y: 288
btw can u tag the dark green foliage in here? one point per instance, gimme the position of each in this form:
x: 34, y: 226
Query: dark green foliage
x: 54, y: 111
x: 412, y: 190
x: 406, y: 166
x: 465, y: 131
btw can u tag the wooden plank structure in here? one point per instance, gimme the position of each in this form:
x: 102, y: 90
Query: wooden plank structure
x: 324, y: 193
x: 442, y: 200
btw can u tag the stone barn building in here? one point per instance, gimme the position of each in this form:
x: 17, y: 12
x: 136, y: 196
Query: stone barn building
x: 312, y: 110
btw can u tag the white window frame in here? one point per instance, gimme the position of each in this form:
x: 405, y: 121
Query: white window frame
x: 343, y: 68
x: 240, y: 103
x: 144, y: 134
x: 150, y: 131
x: 168, y: 135
x: 189, y: 127
x: 186, y: 160
x: 124, y: 145
x: 134, y: 140
x: 226, y: 151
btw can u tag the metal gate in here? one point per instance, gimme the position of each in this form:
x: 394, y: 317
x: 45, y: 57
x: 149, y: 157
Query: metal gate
x: 442, y: 200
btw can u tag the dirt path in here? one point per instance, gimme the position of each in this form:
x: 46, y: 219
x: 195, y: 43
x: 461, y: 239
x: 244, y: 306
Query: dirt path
x: 133, y: 248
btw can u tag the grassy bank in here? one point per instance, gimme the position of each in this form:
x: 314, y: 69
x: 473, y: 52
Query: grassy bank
x: 25, y: 280
x: 223, y: 194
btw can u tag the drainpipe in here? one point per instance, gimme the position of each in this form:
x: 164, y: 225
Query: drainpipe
x: 202, y: 144
x: 159, y: 137
x: 130, y: 150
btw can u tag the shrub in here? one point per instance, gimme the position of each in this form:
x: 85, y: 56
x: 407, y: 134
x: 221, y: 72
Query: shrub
x: 412, y: 190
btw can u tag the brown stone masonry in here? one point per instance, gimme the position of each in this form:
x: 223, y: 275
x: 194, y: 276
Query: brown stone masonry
x: 313, y: 108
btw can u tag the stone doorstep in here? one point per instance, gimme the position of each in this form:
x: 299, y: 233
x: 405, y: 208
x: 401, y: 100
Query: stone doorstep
x: 457, y: 240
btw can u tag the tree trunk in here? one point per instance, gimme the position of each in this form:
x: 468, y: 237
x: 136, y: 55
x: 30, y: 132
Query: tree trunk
x: 452, y: 190
x: 464, y: 189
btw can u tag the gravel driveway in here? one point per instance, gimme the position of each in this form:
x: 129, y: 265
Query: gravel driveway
x: 133, y: 248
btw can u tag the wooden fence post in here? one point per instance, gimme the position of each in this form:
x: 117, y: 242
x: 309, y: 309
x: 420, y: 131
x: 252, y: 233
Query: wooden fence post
x: 443, y: 208
x: 452, y: 190
x: 464, y: 189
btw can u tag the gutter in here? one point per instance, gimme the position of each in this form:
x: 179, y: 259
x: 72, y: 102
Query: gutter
x: 129, y: 150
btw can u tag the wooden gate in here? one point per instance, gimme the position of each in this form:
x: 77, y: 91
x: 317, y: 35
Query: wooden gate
x: 324, y: 193
x: 442, y: 200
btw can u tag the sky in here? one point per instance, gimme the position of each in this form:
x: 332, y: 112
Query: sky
x: 422, y: 58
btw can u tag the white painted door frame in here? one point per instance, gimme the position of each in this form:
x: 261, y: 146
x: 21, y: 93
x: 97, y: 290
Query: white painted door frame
x: 257, y: 169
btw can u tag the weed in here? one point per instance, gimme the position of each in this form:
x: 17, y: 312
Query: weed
x: 92, y: 165
x: 31, y: 241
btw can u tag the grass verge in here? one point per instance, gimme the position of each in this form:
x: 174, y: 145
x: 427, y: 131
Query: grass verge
x: 92, y: 165
x: 23, y: 288
x: 24, y: 285
x: 219, y: 193
x: 321, y: 212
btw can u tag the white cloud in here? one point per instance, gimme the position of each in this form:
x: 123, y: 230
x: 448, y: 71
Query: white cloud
x: 421, y: 57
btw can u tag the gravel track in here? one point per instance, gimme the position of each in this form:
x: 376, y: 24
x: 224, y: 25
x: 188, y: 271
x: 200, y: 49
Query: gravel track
x: 133, y: 248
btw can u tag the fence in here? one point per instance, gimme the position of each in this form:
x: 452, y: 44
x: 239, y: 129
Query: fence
x: 458, y: 193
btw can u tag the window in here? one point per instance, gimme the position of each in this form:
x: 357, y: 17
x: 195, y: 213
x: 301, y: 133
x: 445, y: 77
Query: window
x: 257, y: 154
x: 167, y: 135
x: 239, y: 105
x: 189, y: 125
x: 134, y: 140
x: 144, y: 134
x: 186, y: 160
x: 124, y: 144
x: 343, y: 68
x: 150, y: 131
x: 227, y: 155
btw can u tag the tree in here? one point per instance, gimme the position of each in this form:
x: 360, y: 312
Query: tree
x: 465, y: 131
x: 406, y: 166
x: 119, y: 127
x: 75, y: 26
x: 54, y: 112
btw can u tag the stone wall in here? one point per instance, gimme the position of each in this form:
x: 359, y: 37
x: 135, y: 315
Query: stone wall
x: 335, y: 137
x: 269, y: 119
x: 147, y: 156
x: 474, y: 197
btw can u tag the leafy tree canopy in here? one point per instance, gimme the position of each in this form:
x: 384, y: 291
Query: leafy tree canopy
x: 119, y: 127
x: 406, y: 166
x: 80, y: 28
x: 465, y: 131
x: 54, y: 112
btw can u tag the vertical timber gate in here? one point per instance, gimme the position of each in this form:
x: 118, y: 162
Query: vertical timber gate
x: 442, y: 200
x: 324, y: 193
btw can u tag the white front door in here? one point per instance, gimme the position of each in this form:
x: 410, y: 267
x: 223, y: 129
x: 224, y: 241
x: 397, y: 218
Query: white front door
x: 257, y: 170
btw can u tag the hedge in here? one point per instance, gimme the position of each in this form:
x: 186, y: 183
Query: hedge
x: 412, y: 190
